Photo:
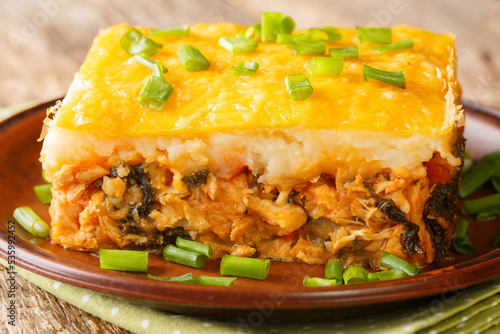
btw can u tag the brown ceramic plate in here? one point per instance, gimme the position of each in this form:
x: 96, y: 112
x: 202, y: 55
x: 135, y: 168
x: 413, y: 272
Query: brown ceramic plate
x: 280, y: 295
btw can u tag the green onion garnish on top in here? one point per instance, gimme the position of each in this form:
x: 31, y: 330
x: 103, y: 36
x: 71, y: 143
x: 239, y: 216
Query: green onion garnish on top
x: 307, y: 47
x: 43, y: 193
x: 283, y: 38
x: 135, y: 42
x: 194, y: 246
x: 319, y: 34
x: 351, y: 52
x: 404, y: 44
x: 171, y: 32
x: 355, y: 274
x: 393, y: 262
x: 253, y: 33
x: 298, y: 86
x: 460, y: 240
x: 245, y: 69
x: 148, y: 62
x: 376, y: 34
x: 237, y: 45
x: 270, y: 22
x: 156, y: 91
x: 124, y: 260
x: 184, y: 257
x: 286, y: 25
x: 325, y: 65
x: 334, y: 271
x: 245, y: 267
x: 397, y: 79
x: 31, y: 222
x: 192, y: 58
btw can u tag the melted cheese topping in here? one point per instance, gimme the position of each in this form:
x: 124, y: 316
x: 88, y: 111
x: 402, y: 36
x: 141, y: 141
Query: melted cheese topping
x: 102, y: 99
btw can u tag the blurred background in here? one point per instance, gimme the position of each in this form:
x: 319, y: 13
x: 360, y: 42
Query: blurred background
x: 43, y: 42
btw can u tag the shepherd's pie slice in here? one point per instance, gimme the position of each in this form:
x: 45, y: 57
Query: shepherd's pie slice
x: 357, y: 168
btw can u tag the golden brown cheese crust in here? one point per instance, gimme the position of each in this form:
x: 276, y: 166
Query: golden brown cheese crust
x: 102, y: 99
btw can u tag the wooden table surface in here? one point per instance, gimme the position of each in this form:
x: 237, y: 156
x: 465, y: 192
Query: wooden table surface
x: 44, y: 42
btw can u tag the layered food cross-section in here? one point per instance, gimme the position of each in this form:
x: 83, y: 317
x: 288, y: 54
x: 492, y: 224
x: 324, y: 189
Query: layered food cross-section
x: 358, y: 168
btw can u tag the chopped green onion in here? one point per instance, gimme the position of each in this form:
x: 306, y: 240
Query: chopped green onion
x: 283, y: 38
x: 253, y: 33
x: 188, y: 278
x: 334, y: 271
x: 468, y: 163
x: 397, y: 79
x: 171, y: 32
x: 124, y: 260
x: 270, y: 22
x: 43, y: 193
x: 298, y: 86
x: 496, y: 241
x: 483, y: 171
x: 135, y: 42
x: 192, y: 58
x: 332, y: 34
x: 319, y: 34
x: 148, y: 62
x: 325, y: 65
x: 43, y: 176
x: 495, y: 180
x: 393, y: 262
x: 319, y: 282
x: 355, y: 274
x: 483, y: 204
x: 477, y: 177
x: 244, y: 267
x: 307, y: 47
x: 217, y: 281
x: 286, y: 25
x: 460, y: 240
x: 155, y: 92
x: 237, y: 45
x: 488, y: 215
x: 404, y: 44
x: 245, y: 69
x: 385, y: 275
x: 194, y: 246
x: 184, y: 257
x: 31, y: 222
x: 376, y: 34
x: 351, y: 52
x: 316, y: 35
